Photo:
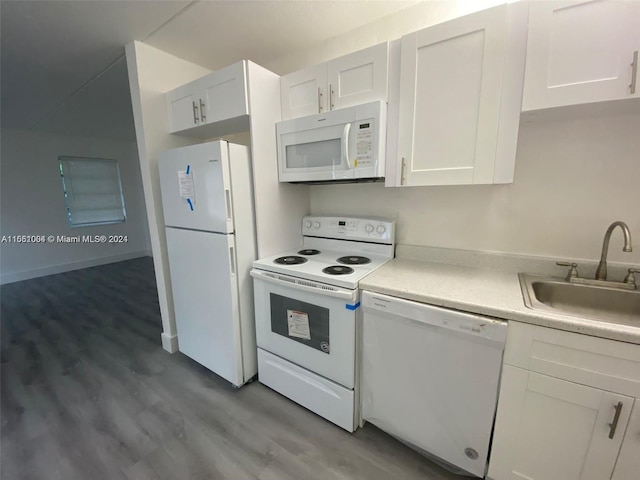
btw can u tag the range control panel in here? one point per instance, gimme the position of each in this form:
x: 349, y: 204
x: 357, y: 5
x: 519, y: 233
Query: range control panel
x: 378, y: 230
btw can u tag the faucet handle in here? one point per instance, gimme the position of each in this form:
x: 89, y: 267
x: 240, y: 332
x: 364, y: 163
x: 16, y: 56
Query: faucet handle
x: 630, y: 278
x: 573, y: 272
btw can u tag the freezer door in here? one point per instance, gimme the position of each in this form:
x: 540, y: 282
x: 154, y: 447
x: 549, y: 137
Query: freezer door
x: 195, y: 185
x: 205, y: 298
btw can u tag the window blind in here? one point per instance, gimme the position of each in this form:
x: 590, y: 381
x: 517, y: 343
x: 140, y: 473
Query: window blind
x: 92, y: 190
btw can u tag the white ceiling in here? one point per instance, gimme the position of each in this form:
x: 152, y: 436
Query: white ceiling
x: 63, y: 67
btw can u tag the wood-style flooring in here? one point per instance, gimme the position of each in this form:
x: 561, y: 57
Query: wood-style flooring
x: 88, y: 393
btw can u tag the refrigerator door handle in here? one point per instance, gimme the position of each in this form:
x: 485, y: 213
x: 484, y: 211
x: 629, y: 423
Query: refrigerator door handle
x: 232, y: 261
x: 228, y: 203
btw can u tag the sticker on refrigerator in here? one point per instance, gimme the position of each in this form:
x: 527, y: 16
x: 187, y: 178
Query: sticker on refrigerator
x: 298, y: 324
x: 187, y: 187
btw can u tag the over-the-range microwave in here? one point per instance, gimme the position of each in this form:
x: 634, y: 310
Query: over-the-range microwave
x: 346, y: 145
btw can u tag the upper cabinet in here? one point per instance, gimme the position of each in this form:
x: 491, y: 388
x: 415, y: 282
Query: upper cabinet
x: 359, y: 77
x: 460, y: 100
x: 212, y: 105
x: 304, y: 92
x: 581, y: 52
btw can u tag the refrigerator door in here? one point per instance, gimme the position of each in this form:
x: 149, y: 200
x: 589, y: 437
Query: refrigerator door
x: 205, y: 295
x: 196, y: 188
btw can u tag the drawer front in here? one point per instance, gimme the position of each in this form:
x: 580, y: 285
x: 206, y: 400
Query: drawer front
x: 321, y: 396
x: 597, y: 362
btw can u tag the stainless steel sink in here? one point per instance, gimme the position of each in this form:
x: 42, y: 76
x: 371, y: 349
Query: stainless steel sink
x: 577, y: 300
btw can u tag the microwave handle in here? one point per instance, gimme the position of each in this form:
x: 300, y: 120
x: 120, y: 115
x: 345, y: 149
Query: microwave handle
x: 345, y: 145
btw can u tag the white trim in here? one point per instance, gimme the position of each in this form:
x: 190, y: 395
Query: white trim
x: 68, y: 267
x: 169, y: 342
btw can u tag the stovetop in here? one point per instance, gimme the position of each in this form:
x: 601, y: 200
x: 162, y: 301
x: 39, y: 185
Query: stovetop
x: 337, y: 251
x: 315, y: 266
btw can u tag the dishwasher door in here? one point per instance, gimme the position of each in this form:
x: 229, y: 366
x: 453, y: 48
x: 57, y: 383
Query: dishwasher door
x: 430, y: 377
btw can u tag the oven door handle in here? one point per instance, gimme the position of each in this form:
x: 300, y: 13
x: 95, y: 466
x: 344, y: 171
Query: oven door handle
x: 305, y: 285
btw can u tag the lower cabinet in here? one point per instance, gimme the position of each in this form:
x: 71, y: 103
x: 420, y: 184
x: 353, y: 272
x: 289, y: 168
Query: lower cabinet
x: 552, y: 429
x: 576, y: 418
x: 628, y: 464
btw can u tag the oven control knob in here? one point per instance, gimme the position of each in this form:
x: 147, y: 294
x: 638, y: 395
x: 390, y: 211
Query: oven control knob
x: 308, y: 224
x: 316, y: 225
x: 368, y: 228
x: 381, y: 229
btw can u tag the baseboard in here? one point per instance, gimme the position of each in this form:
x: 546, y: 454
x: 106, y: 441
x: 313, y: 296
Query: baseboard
x: 169, y: 342
x: 68, y: 267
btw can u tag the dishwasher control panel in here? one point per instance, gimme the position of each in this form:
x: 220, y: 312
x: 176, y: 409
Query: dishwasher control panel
x: 470, y: 323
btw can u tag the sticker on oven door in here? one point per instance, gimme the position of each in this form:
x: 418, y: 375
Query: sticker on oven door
x: 324, y: 346
x: 298, y: 324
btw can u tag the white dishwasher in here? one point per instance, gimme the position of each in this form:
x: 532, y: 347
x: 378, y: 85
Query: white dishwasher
x: 430, y: 377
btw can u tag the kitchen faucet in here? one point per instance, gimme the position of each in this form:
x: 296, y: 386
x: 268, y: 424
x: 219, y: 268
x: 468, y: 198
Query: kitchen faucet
x: 601, y: 272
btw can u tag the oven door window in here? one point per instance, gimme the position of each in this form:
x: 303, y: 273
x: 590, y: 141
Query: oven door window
x: 301, y: 322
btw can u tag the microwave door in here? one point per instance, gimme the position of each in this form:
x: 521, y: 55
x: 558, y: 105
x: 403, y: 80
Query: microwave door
x: 343, y: 144
x: 314, y: 155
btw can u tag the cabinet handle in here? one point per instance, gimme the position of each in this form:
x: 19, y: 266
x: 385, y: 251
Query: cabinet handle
x: 402, y: 170
x: 616, y: 417
x: 331, y: 97
x: 203, y: 115
x: 319, y: 100
x: 634, y: 72
x: 195, y: 113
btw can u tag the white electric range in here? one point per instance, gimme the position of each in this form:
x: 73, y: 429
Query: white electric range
x: 306, y: 303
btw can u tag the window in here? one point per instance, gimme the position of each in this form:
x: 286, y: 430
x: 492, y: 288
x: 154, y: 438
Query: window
x: 92, y: 190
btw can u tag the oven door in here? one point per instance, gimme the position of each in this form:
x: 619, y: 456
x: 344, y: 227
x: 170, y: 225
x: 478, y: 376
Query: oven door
x: 310, y: 324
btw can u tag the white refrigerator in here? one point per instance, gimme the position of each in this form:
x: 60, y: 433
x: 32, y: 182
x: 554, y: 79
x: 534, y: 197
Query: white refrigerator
x: 208, y: 213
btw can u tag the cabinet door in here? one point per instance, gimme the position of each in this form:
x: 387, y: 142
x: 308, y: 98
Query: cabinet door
x: 359, y: 77
x: 628, y: 464
x: 551, y: 429
x: 580, y: 52
x: 225, y: 93
x: 183, y: 105
x: 451, y: 81
x: 304, y: 92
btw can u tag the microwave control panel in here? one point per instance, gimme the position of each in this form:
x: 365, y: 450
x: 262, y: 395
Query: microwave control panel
x: 364, y: 143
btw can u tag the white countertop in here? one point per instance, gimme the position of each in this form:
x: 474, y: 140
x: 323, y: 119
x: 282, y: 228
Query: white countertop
x: 484, y: 290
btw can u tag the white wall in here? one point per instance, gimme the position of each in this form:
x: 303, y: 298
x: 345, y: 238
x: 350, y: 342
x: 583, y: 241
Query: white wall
x: 33, y: 204
x: 573, y: 177
x: 279, y: 207
x: 153, y: 72
x: 414, y: 18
